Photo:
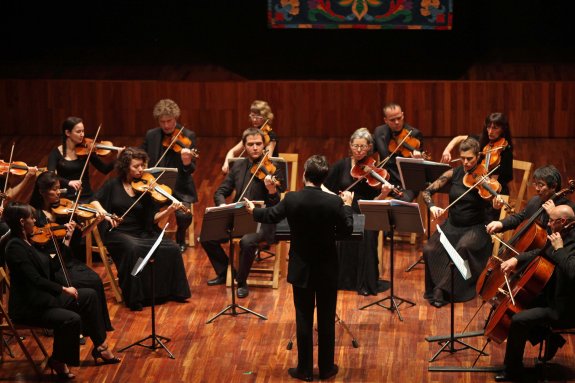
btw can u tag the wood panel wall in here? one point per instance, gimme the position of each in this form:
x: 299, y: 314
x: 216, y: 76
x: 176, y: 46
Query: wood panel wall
x: 302, y: 108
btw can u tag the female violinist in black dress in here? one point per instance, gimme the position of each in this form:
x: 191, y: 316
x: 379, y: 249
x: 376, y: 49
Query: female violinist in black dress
x: 133, y: 238
x: 464, y: 228
x: 358, y: 260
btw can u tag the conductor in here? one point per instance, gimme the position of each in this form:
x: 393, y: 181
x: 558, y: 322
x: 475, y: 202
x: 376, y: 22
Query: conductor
x: 315, y: 218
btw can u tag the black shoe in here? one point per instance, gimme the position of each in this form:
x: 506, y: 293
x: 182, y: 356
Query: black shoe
x: 330, y: 373
x: 243, y: 290
x: 219, y: 280
x: 136, y: 306
x: 363, y: 291
x: 294, y: 373
x: 554, y: 343
x: 507, y: 376
x: 183, y: 248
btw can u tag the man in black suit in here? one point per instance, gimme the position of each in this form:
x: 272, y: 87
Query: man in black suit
x: 315, y: 218
x: 383, y: 134
x: 554, y: 306
x: 167, y: 112
x: 264, y: 189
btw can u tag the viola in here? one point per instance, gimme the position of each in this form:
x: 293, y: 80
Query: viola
x: 160, y: 193
x: 375, y: 176
x: 18, y: 168
x: 492, y: 152
x: 405, y: 144
x: 43, y: 234
x: 179, y: 142
x: 102, y: 148
x: 529, y: 235
x: 264, y: 168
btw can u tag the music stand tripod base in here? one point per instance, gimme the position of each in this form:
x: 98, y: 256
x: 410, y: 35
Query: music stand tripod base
x: 156, y: 344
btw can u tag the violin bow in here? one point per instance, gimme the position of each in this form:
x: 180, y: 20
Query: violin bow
x: 8, y: 172
x: 482, y: 179
x: 75, y: 206
x: 174, y: 139
x: 501, y: 260
x: 152, y: 185
x: 253, y: 175
x: 386, y: 159
x: 60, y: 259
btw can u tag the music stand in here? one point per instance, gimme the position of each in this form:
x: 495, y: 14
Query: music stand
x: 416, y: 174
x: 229, y: 221
x: 138, y: 267
x: 389, y: 215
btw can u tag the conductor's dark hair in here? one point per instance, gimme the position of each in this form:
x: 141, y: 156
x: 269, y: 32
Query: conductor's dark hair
x: 315, y: 169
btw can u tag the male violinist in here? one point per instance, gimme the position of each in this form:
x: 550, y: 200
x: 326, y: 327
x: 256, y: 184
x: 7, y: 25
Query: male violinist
x: 394, y: 127
x: 554, y: 307
x: 157, y: 140
x: 265, y: 189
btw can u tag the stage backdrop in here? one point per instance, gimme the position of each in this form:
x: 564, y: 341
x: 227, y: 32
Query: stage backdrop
x: 360, y: 14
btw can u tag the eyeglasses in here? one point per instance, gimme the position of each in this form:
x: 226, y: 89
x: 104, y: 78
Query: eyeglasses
x: 359, y: 147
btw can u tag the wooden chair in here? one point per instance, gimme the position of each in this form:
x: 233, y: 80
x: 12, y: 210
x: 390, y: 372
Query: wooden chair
x: 507, y: 234
x: 13, y: 329
x: 101, y: 249
x: 543, y: 349
x: 526, y: 168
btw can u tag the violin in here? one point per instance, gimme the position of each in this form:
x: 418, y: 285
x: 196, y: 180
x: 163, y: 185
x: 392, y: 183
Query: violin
x: 374, y: 175
x: 265, y: 168
x: 103, y: 148
x: 65, y: 207
x: 408, y: 144
x: 266, y: 129
x: 529, y: 235
x: 181, y: 142
x: 43, y: 234
x: 160, y: 193
x: 17, y: 168
x: 492, y: 152
x: 487, y: 187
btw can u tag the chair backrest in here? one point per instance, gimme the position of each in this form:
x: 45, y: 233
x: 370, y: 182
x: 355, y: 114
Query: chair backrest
x: 3, y: 241
x: 526, y: 167
x: 292, y: 160
x: 506, y: 235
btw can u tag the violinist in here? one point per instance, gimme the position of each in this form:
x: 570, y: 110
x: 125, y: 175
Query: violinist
x: 394, y: 128
x: 157, y: 140
x: 46, y: 195
x: 554, y: 306
x: 464, y: 228
x: 68, y: 165
x: 37, y: 298
x: 259, y: 189
x: 358, y: 260
x: 261, y: 117
x: 135, y: 235
x: 495, y: 140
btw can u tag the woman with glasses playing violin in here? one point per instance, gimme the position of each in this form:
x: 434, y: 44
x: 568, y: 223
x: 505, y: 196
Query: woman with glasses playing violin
x: 46, y: 195
x: 180, y: 156
x: 135, y: 235
x: 358, y: 260
x: 69, y: 165
x: 389, y: 136
x: 261, y: 117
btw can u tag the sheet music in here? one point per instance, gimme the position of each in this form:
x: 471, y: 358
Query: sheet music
x: 144, y: 261
x: 462, y: 266
x: 236, y: 205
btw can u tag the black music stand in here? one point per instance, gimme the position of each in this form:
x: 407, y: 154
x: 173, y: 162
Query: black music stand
x: 389, y: 215
x: 416, y: 174
x: 229, y: 221
x: 138, y: 267
x: 283, y: 233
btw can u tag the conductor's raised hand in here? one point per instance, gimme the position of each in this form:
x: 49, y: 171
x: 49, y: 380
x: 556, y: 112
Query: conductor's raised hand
x: 347, y: 197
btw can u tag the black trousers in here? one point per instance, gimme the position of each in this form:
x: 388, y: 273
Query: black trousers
x: 183, y: 221
x: 69, y: 320
x: 325, y: 298
x: 248, y: 246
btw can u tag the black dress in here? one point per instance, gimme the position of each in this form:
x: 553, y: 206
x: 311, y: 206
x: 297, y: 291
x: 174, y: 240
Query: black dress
x: 132, y: 239
x: 80, y: 274
x: 358, y: 260
x: 465, y: 230
x: 72, y: 170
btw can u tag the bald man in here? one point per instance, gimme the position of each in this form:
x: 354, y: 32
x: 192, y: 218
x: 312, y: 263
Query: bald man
x: 555, y: 306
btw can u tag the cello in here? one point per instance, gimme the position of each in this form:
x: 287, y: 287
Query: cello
x: 529, y: 235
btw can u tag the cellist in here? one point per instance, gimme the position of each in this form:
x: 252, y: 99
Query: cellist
x: 554, y: 306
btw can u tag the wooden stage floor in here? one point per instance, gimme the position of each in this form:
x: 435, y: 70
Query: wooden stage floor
x: 247, y: 349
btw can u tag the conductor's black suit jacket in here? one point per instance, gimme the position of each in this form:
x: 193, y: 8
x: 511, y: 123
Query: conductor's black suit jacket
x: 315, y: 218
